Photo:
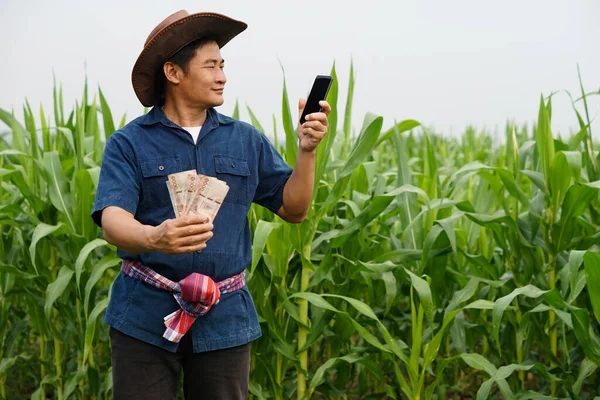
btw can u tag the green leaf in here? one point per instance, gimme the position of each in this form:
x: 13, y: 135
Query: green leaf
x: 236, y: 110
x: 90, y: 326
x: 586, y: 369
x: 349, y: 100
x: 560, y: 179
x: 319, y: 375
x: 58, y: 186
x: 68, y: 134
x: 98, y: 271
x: 431, y: 349
x: 84, y: 254
x: 422, y: 288
x: 391, y: 288
x: 107, y: 118
x: 73, y: 381
x: 11, y: 269
x: 447, y: 225
x: 123, y: 120
x: 478, y: 361
x: 504, y: 372
x: 529, y: 395
x: 591, y: 263
x: 503, y: 302
x: 589, y: 343
x: 400, y: 127
x: 41, y: 231
x: 364, y: 145
x: 256, y: 389
x: 463, y: 295
x: 359, y: 305
x: 315, y: 300
x: 84, y: 201
x: 544, y: 141
x: 291, y: 137
x: 8, y: 362
x: 576, y: 200
x: 13, y: 152
x: 254, y: 120
x: 481, y: 305
x: 56, y: 288
x: 368, y: 336
x: 575, y: 261
x: 261, y: 234
x: 537, y: 178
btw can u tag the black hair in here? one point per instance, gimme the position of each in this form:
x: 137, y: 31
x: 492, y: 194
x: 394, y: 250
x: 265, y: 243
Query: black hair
x: 182, y: 59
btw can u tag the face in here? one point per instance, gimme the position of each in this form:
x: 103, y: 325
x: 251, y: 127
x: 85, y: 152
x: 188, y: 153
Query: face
x: 204, y: 82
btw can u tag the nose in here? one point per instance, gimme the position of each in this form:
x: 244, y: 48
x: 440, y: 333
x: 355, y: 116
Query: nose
x: 221, y: 78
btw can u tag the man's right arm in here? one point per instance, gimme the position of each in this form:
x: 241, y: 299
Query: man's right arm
x: 173, y: 236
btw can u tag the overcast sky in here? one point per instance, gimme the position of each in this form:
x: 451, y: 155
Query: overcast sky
x: 445, y: 63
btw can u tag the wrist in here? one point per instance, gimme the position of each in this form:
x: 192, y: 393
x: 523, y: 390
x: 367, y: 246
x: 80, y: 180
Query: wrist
x: 149, y: 237
x: 312, y: 152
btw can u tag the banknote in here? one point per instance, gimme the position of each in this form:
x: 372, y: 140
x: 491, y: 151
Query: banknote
x: 193, y: 193
x: 178, y: 184
x: 208, y: 197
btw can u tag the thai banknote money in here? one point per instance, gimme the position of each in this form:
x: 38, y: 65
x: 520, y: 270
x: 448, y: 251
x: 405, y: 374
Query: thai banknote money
x: 193, y: 193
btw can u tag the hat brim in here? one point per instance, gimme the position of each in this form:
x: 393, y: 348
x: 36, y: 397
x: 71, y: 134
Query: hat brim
x: 173, y: 38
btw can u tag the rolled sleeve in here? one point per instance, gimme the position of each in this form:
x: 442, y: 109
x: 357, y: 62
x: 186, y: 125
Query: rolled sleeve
x: 118, y: 184
x: 273, y: 173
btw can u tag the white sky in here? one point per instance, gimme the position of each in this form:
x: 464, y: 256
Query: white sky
x: 445, y: 63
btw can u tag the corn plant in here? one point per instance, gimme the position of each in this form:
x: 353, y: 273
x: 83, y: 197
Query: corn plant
x: 428, y: 267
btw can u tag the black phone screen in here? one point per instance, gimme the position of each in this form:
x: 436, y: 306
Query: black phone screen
x: 318, y: 92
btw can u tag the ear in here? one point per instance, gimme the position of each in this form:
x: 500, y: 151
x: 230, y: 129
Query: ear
x: 172, y: 72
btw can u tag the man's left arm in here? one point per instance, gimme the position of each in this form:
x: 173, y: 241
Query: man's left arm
x: 297, y: 192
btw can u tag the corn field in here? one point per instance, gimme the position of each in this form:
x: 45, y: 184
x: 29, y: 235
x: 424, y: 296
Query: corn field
x: 427, y: 268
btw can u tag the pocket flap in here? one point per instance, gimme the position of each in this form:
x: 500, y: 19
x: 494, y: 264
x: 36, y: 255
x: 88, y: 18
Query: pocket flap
x: 231, y: 165
x: 159, y: 166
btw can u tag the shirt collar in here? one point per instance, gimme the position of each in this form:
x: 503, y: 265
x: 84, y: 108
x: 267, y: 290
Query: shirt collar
x: 157, y: 115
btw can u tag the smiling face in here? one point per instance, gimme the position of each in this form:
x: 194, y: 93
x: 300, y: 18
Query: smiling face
x: 201, y: 82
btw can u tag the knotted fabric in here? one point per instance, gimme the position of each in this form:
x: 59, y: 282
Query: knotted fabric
x: 195, y: 294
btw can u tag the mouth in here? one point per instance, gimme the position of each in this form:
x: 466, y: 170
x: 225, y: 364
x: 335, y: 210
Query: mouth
x: 220, y: 91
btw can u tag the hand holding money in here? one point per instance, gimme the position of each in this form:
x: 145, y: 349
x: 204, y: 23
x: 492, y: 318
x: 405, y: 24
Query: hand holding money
x: 182, y: 235
x: 196, y: 199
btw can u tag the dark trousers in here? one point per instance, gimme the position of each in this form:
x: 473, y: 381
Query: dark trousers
x: 144, y: 371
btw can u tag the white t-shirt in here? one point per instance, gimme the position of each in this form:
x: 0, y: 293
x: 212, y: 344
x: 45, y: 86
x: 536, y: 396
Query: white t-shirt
x: 194, y: 131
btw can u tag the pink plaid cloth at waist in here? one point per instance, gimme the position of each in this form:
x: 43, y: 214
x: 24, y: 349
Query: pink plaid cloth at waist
x: 196, y: 294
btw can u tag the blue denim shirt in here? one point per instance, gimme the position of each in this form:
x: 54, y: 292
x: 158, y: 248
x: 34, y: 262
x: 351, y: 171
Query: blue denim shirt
x: 136, y: 162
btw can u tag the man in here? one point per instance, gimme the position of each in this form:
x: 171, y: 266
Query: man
x: 179, y: 73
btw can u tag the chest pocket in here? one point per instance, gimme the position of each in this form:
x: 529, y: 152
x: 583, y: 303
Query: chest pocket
x: 154, y: 184
x: 235, y: 172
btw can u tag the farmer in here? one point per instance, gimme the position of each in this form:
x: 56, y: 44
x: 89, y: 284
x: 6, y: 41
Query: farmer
x: 179, y: 73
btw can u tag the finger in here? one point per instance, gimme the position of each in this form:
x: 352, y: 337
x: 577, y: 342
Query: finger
x: 301, y: 105
x: 195, y: 229
x: 318, y: 116
x: 316, y: 125
x: 314, y: 134
x: 189, y: 249
x: 325, y: 107
x: 194, y: 240
x: 195, y: 219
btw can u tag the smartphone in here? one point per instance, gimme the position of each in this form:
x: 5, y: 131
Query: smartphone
x: 318, y: 92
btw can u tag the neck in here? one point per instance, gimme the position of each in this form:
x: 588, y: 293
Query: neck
x: 182, y: 113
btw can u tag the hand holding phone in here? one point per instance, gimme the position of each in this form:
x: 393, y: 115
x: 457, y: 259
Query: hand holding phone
x: 318, y: 92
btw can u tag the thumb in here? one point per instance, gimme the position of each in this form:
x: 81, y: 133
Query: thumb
x: 301, y: 105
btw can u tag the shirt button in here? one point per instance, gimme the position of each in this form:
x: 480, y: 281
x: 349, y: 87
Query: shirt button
x: 232, y: 164
x: 161, y: 167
